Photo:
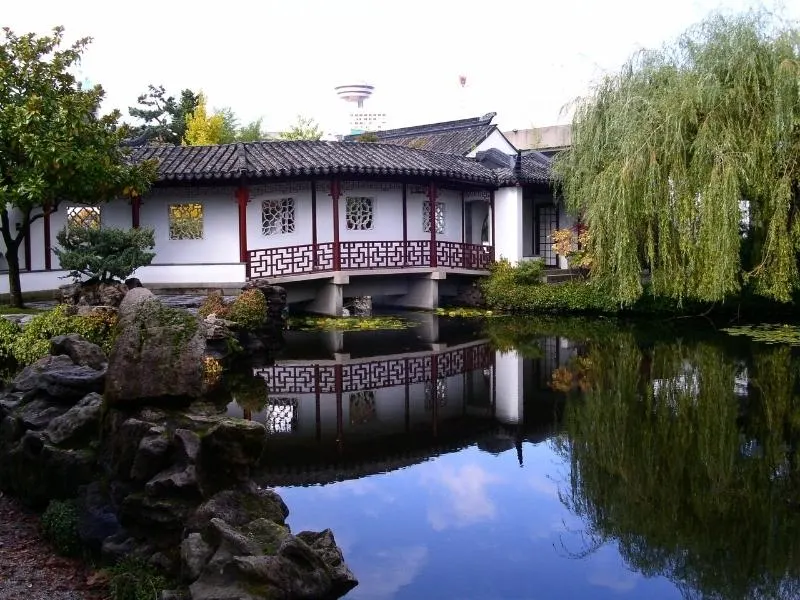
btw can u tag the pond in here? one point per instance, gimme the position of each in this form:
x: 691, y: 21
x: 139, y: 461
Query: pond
x: 523, y: 459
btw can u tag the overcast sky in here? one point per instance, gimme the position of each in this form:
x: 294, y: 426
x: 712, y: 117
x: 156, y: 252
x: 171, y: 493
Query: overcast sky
x: 524, y: 59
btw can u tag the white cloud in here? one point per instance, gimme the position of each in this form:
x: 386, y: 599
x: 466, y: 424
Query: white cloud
x: 459, y: 496
x: 388, y: 571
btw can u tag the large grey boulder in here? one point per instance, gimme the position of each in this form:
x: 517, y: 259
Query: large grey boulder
x: 80, y: 351
x: 228, y: 450
x: 78, y: 422
x: 59, y: 378
x: 158, y: 354
x: 134, y: 297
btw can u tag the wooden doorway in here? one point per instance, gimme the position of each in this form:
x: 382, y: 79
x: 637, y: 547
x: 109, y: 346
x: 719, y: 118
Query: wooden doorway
x: 546, y: 224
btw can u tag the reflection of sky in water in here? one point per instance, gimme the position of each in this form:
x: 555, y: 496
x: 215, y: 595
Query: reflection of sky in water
x: 468, y: 525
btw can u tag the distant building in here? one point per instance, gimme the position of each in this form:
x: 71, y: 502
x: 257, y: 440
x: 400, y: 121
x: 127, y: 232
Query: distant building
x: 360, y: 119
x: 547, y: 140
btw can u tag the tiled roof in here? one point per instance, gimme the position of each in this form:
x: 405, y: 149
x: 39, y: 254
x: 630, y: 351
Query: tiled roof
x: 272, y: 160
x: 285, y: 159
x: 535, y: 167
x: 453, y: 137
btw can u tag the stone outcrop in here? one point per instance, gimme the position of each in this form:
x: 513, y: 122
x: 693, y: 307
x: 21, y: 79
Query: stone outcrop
x: 151, y: 477
x: 158, y: 353
x: 93, y: 294
x: 276, y: 302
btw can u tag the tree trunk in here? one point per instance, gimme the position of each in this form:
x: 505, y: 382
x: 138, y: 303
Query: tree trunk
x: 14, y: 285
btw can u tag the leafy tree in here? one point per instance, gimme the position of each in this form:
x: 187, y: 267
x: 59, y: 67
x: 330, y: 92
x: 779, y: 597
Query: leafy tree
x: 163, y: 117
x: 53, y: 143
x: 252, y: 132
x: 105, y: 254
x: 303, y: 129
x: 230, y: 125
x: 667, y: 153
x: 203, y: 129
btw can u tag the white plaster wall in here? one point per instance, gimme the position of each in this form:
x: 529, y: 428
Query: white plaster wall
x: 478, y: 212
x: 387, y: 216
x: 495, y: 140
x: 190, y: 275
x: 508, y: 221
x: 509, y: 399
x: 220, y: 242
x: 452, y: 216
x: 36, y: 281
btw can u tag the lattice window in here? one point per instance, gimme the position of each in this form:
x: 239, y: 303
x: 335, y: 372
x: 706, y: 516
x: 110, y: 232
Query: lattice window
x: 281, y: 415
x: 277, y: 216
x: 441, y: 393
x: 426, y: 217
x: 186, y: 221
x: 360, y: 213
x: 83, y: 217
x: 362, y: 407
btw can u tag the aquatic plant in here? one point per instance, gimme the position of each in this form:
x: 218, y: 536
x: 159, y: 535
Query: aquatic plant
x: 768, y: 333
x: 307, y: 323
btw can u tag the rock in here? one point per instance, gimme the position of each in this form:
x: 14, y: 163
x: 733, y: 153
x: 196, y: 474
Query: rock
x: 222, y: 534
x: 38, y: 414
x: 118, y: 547
x: 187, y: 446
x: 134, y: 297
x: 228, y: 450
x: 217, y: 328
x: 9, y: 403
x: 151, y: 457
x: 195, y: 553
x: 174, y: 481
x: 101, y: 294
x: 11, y: 431
x: 324, y: 544
x: 267, y: 535
x: 123, y: 437
x: 238, y: 508
x: 81, y: 351
x: 59, y: 378
x: 157, y: 356
x: 97, y: 519
x: 98, y: 311
x: 79, y: 421
x: 132, y: 282
x: 157, y: 514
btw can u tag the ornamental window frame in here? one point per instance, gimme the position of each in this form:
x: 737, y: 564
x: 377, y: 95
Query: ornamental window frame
x: 440, y: 217
x: 350, y: 222
x: 284, y: 222
x: 81, y: 216
x: 180, y: 234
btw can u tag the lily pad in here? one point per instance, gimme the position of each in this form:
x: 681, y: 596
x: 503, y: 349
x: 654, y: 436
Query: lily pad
x: 466, y: 313
x: 768, y: 333
x: 347, y: 323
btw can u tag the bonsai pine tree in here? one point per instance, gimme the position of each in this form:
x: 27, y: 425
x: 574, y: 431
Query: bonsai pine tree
x: 103, y: 255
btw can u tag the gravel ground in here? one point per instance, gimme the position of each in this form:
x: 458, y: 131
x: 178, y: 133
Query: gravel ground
x: 30, y: 570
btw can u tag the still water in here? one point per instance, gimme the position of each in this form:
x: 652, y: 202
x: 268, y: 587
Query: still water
x: 542, y: 459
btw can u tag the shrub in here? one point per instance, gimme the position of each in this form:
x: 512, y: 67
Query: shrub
x: 60, y: 527
x: 8, y: 333
x: 134, y: 579
x: 528, y: 272
x: 104, y: 254
x: 33, y: 342
x: 214, y: 304
x: 249, y: 309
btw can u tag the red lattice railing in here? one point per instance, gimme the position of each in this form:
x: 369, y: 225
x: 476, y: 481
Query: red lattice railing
x: 370, y: 375
x: 367, y: 255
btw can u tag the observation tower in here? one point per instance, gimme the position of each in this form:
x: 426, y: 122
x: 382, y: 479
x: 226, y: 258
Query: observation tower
x: 361, y: 119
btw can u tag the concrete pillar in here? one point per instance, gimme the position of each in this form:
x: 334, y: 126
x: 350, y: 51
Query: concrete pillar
x: 329, y: 300
x: 508, y: 220
x: 509, y: 397
x: 422, y: 293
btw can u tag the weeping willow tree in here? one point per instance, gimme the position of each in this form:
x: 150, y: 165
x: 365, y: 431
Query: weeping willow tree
x: 690, y: 479
x: 671, y: 153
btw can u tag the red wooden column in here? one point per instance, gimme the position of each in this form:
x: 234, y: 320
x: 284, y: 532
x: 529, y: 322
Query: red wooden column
x: 464, y: 258
x: 136, y: 206
x: 405, y: 225
x: 432, y: 211
x: 48, y: 263
x: 242, y: 198
x: 336, y: 192
x: 314, y: 259
x: 491, y: 229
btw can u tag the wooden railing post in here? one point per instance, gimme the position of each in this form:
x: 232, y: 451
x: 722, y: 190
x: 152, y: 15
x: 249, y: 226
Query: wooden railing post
x: 432, y: 217
x: 336, y: 192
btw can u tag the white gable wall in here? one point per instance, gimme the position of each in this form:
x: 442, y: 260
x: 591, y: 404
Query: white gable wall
x: 495, y: 140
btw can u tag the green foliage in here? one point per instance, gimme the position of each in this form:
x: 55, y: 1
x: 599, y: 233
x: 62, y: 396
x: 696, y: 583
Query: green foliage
x: 33, y: 342
x: 368, y: 137
x: 518, y: 289
x: 214, y: 304
x: 465, y: 313
x: 54, y: 145
x: 104, y: 254
x: 162, y: 117
x: 134, y: 579
x: 8, y: 333
x: 203, y: 129
x: 232, y: 131
x: 664, y: 152
x: 302, y: 129
x: 249, y: 309
x: 347, y: 323
x: 529, y: 272
x: 60, y: 527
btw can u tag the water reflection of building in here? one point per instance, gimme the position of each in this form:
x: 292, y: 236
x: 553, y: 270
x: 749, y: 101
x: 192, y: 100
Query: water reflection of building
x: 344, y: 417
